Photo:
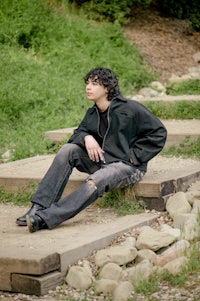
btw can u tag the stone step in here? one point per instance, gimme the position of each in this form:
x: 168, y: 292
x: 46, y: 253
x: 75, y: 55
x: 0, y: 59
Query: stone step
x: 165, y: 176
x: 177, y: 131
x: 36, y: 263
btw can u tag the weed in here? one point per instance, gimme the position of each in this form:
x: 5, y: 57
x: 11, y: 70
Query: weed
x: 123, y: 201
x: 21, y: 197
x: 148, y: 286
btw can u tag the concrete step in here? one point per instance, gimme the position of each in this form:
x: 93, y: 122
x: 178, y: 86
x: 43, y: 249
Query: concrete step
x: 165, y: 176
x: 177, y: 131
x: 36, y: 263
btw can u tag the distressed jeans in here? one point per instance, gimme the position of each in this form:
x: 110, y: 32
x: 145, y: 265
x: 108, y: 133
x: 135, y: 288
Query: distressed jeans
x: 105, y: 177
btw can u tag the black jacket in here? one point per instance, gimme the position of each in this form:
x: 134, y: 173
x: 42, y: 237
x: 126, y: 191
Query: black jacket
x: 133, y: 134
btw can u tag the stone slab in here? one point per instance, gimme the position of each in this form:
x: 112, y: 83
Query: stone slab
x: 28, y: 261
x: 165, y: 176
x: 32, y: 285
x: 72, y: 240
x: 177, y: 131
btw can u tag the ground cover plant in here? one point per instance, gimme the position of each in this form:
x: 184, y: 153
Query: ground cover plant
x: 45, y: 51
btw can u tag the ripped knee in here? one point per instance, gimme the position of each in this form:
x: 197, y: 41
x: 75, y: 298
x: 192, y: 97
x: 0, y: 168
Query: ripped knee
x: 91, y: 182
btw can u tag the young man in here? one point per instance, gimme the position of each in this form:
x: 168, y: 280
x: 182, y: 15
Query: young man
x: 113, y: 144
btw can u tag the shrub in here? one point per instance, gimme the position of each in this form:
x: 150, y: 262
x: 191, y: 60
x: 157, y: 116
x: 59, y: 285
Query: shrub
x: 110, y: 10
x: 182, y: 9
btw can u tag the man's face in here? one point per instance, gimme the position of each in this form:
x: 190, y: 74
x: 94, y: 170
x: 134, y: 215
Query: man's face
x: 96, y: 91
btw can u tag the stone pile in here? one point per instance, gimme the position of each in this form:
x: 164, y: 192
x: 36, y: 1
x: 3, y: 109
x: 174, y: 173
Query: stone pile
x: 120, y: 267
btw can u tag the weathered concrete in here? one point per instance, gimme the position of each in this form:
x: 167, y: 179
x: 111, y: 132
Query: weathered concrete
x: 177, y: 131
x: 164, y: 177
x: 35, y: 263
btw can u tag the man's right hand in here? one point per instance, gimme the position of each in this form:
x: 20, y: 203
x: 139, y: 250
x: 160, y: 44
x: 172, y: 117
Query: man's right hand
x: 93, y: 148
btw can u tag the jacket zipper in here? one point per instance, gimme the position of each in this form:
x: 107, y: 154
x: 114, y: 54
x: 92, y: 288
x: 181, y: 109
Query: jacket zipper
x: 108, y: 118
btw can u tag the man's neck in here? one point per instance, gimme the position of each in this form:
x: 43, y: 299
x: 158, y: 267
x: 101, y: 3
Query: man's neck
x: 103, y: 106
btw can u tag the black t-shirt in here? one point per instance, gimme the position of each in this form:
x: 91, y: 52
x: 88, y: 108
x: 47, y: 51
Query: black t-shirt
x: 103, y: 125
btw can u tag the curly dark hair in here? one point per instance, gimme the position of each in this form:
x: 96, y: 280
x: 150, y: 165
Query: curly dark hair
x: 105, y: 77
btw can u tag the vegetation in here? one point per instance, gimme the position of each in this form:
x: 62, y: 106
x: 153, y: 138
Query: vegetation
x: 188, y: 148
x: 122, y: 10
x: 186, y: 87
x: 176, y: 110
x: 122, y: 201
x: 45, y: 51
x: 189, y: 271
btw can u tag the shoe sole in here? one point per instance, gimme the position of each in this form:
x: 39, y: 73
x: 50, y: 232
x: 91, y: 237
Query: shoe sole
x: 21, y: 223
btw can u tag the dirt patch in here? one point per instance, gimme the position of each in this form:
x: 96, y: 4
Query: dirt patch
x: 168, y: 44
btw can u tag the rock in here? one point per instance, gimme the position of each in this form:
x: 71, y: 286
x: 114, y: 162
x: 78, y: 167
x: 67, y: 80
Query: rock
x: 178, y: 249
x: 79, y: 278
x: 118, y: 254
x: 158, y: 87
x: 167, y: 229
x: 189, y: 225
x: 105, y: 286
x: 123, y: 291
x: 87, y: 267
x: 192, y: 195
x: 142, y: 272
x: 153, y: 240
x: 111, y: 271
x: 196, y: 206
x: 148, y: 92
x: 146, y: 254
x: 194, y: 186
x: 129, y: 242
x: 178, y: 203
x: 196, y: 57
x: 175, y: 266
x: 191, y: 228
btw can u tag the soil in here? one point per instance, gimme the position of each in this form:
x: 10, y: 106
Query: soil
x: 167, y: 44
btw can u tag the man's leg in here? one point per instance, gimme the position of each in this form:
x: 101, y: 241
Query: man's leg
x: 109, y: 177
x: 56, y: 178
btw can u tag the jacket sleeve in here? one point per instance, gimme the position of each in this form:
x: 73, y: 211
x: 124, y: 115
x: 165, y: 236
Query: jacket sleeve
x: 79, y: 134
x: 151, y: 137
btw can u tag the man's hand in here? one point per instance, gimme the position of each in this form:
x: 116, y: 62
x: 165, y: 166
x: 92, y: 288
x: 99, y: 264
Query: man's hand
x: 93, y: 148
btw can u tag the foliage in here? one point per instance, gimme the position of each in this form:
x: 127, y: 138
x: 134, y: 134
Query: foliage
x: 182, y: 9
x: 45, y: 51
x: 187, y: 87
x: 110, y: 10
x: 122, y: 201
x: 176, y: 110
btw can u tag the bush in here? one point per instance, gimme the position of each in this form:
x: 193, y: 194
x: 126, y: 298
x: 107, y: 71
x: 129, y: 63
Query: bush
x: 182, y: 9
x: 110, y: 10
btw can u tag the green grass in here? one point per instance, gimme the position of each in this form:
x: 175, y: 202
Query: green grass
x: 122, y: 201
x: 186, y: 87
x: 176, y: 110
x: 186, y: 149
x: 21, y: 197
x: 45, y: 51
